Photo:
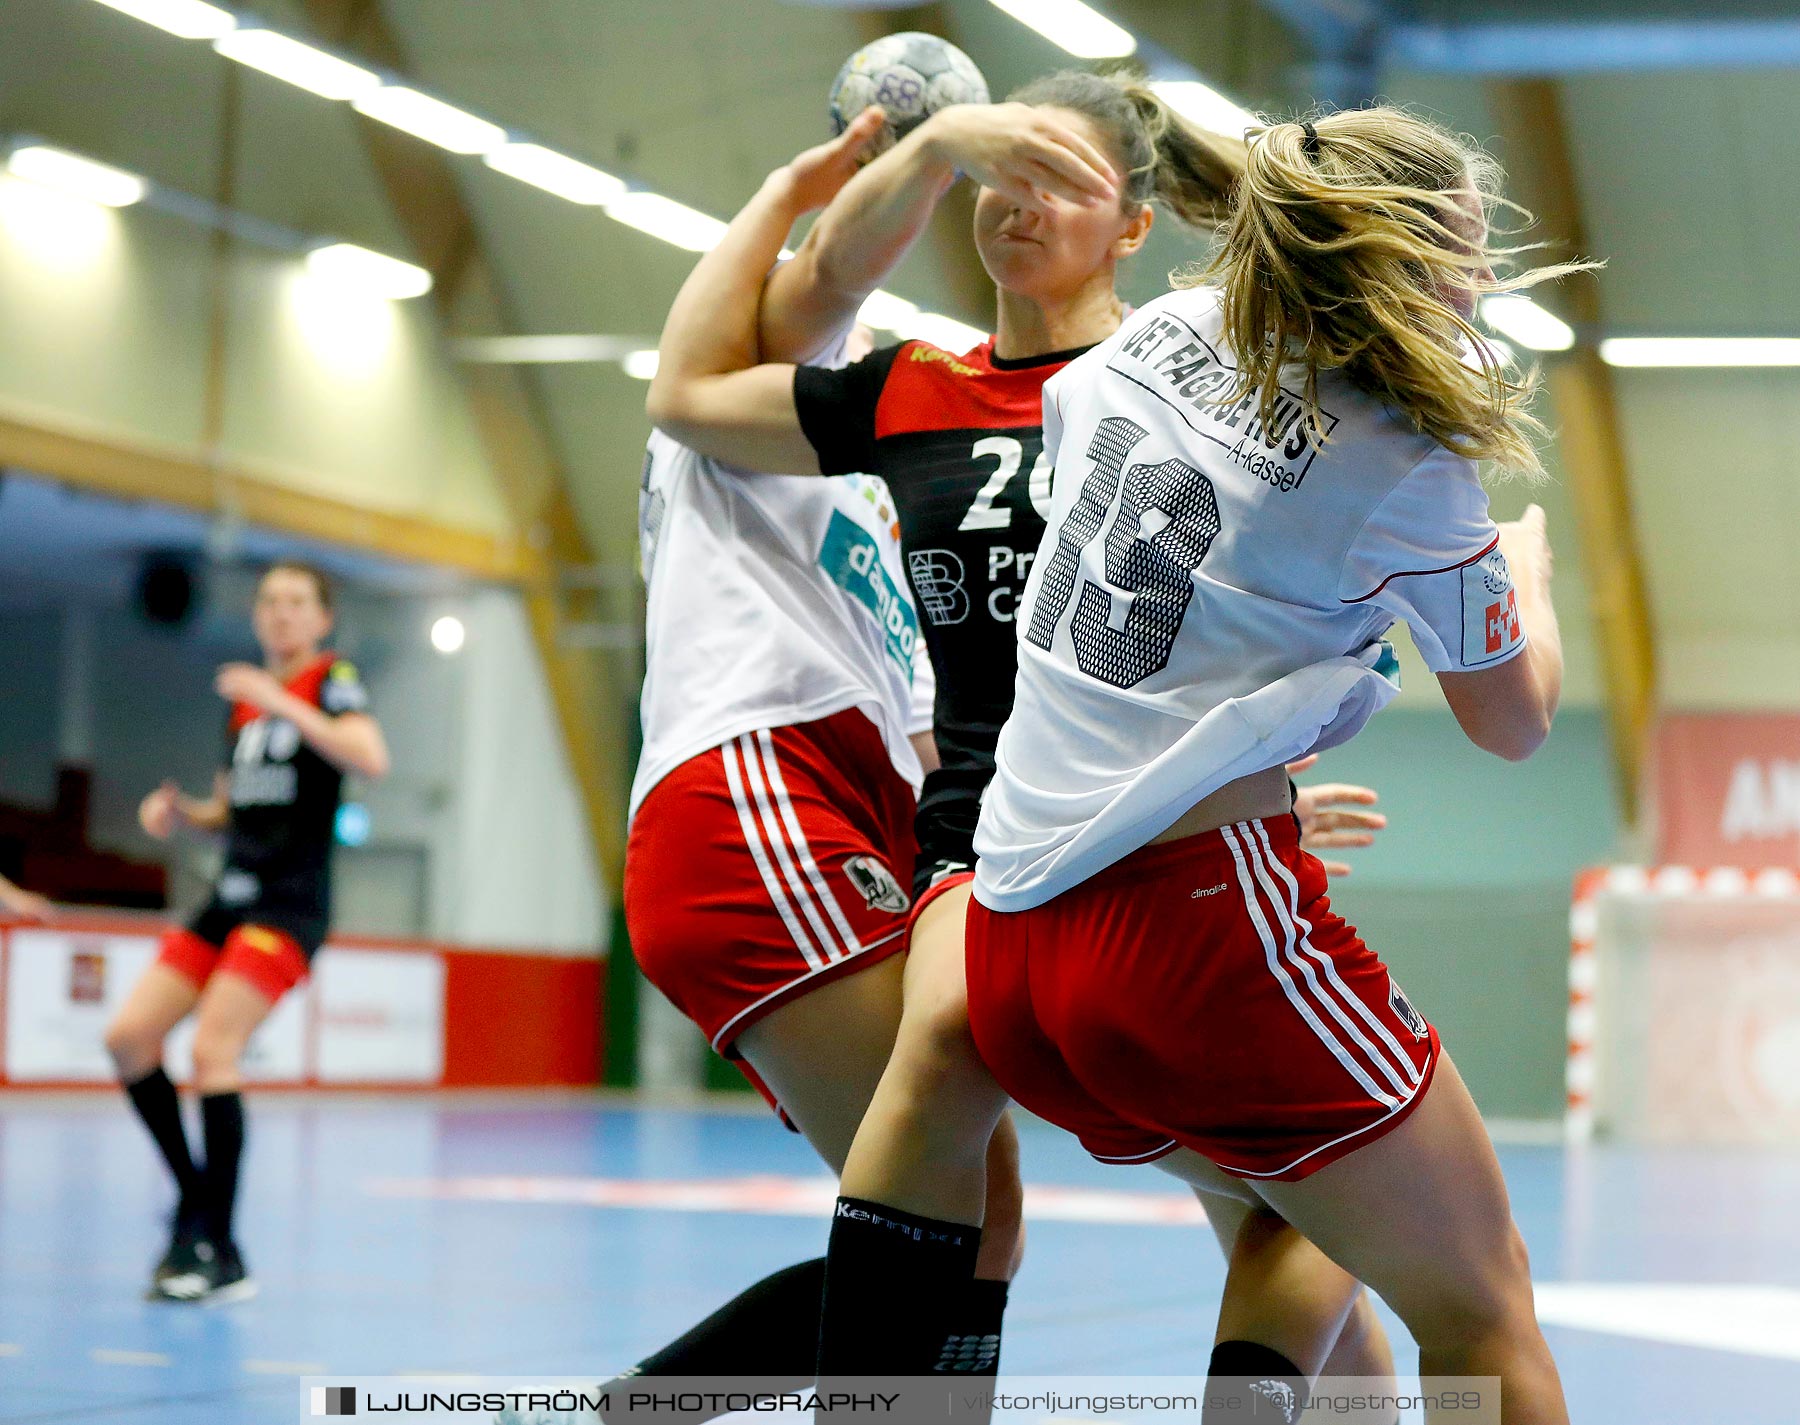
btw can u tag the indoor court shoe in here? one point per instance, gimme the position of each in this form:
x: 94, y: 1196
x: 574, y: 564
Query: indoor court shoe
x: 186, y: 1238
x: 227, y: 1278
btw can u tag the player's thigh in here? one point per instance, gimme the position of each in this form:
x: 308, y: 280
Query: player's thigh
x: 231, y: 1009
x: 936, y: 1050
x: 822, y: 1053
x: 1421, y: 1214
x: 160, y: 1000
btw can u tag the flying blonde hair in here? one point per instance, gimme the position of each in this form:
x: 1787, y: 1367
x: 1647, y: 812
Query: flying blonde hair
x: 1345, y: 238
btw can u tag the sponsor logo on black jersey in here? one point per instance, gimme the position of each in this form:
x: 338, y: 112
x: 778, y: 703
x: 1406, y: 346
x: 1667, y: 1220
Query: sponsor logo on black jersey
x: 876, y: 884
x: 937, y: 578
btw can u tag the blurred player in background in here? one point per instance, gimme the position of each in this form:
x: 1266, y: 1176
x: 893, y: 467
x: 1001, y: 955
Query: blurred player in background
x: 1068, y: 171
x: 296, y: 725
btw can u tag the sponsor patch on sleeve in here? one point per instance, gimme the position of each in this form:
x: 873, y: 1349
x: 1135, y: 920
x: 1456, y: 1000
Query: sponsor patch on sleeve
x: 343, y: 690
x: 1490, y: 619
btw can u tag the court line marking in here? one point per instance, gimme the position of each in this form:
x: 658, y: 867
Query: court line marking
x: 774, y: 1196
x: 8, y: 1349
x: 107, y: 1357
x: 1745, y: 1319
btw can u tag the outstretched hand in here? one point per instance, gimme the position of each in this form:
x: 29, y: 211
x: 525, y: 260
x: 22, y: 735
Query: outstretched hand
x: 814, y: 176
x: 1326, y: 824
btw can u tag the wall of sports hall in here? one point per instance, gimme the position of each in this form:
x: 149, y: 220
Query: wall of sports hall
x: 231, y: 413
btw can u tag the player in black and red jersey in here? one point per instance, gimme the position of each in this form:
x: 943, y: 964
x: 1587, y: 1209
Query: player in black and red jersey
x: 296, y: 725
x: 1067, y: 172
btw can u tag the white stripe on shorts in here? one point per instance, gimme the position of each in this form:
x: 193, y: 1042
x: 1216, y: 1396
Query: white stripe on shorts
x: 802, y: 851
x: 1322, y: 994
x: 1368, y: 1016
x: 1295, y: 995
x: 771, y: 879
x: 784, y: 856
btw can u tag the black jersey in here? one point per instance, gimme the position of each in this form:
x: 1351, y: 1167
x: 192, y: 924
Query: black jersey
x: 959, y: 441
x: 283, y: 810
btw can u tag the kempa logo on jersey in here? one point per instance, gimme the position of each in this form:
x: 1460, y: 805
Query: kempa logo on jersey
x: 943, y: 358
x: 1173, y: 363
x: 851, y: 557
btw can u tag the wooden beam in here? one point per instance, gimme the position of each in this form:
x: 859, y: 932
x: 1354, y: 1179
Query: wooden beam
x: 1530, y: 115
x: 130, y: 469
x: 593, y: 703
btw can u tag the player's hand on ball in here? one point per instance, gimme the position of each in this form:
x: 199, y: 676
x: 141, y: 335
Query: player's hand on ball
x: 814, y: 177
x: 157, y: 812
x: 1526, y: 545
x: 1328, y: 817
x: 246, y: 683
x: 1023, y: 154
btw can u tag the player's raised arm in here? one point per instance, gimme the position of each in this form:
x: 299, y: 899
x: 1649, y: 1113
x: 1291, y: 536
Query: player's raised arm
x: 709, y: 392
x: 1017, y: 149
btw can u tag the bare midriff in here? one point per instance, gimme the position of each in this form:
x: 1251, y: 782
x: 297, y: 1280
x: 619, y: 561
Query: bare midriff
x: 1258, y: 795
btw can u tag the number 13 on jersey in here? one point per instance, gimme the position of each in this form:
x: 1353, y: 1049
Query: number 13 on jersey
x: 1167, y: 520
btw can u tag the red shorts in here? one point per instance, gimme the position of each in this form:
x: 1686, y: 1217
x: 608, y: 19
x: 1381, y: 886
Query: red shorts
x: 269, y: 959
x: 1199, y: 994
x: 764, y: 868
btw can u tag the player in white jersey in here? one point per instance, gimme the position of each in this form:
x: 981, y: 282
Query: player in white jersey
x: 787, y: 702
x: 914, y: 413
x: 1256, y: 477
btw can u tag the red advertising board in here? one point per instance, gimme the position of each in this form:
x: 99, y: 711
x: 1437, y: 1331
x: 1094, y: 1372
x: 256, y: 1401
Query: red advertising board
x: 1727, y: 789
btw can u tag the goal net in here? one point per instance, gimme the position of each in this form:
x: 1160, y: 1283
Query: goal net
x: 1684, y: 1005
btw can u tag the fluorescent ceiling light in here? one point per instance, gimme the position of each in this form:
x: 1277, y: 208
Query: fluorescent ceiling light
x: 185, y: 19
x: 666, y: 219
x: 57, y: 168
x: 640, y: 365
x: 312, y: 69
x: 885, y: 310
x: 431, y: 119
x: 1205, y: 106
x: 1527, y: 323
x: 1701, y: 351
x: 946, y: 332
x: 555, y: 173
x: 1082, y: 31
x: 346, y: 265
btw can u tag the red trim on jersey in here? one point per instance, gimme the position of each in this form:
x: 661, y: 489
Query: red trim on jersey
x: 929, y: 389
x: 1419, y: 573
x: 305, y: 685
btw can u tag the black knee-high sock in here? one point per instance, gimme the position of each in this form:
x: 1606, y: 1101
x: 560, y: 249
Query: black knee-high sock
x: 157, y: 1103
x: 222, y: 1115
x: 895, y: 1289
x: 768, y: 1332
x: 1248, y: 1382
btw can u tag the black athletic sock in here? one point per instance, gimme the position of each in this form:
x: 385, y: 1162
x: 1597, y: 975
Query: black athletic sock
x: 894, y: 1283
x: 972, y: 1347
x: 1248, y: 1384
x: 769, y: 1332
x: 222, y: 1116
x: 157, y: 1103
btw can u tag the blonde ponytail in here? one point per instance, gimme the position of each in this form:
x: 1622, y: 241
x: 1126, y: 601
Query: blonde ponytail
x: 1347, y: 237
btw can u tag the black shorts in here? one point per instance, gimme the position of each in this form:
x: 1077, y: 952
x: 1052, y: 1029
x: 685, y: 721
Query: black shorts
x: 306, y: 924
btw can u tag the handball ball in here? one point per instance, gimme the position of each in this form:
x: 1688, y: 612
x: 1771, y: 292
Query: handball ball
x: 911, y: 75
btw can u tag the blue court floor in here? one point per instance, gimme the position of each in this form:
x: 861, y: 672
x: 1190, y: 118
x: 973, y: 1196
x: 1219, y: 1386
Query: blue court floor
x: 565, y: 1236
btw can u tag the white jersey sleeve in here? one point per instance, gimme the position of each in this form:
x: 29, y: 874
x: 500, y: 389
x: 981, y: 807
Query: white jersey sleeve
x: 924, y: 692
x: 1429, y: 554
